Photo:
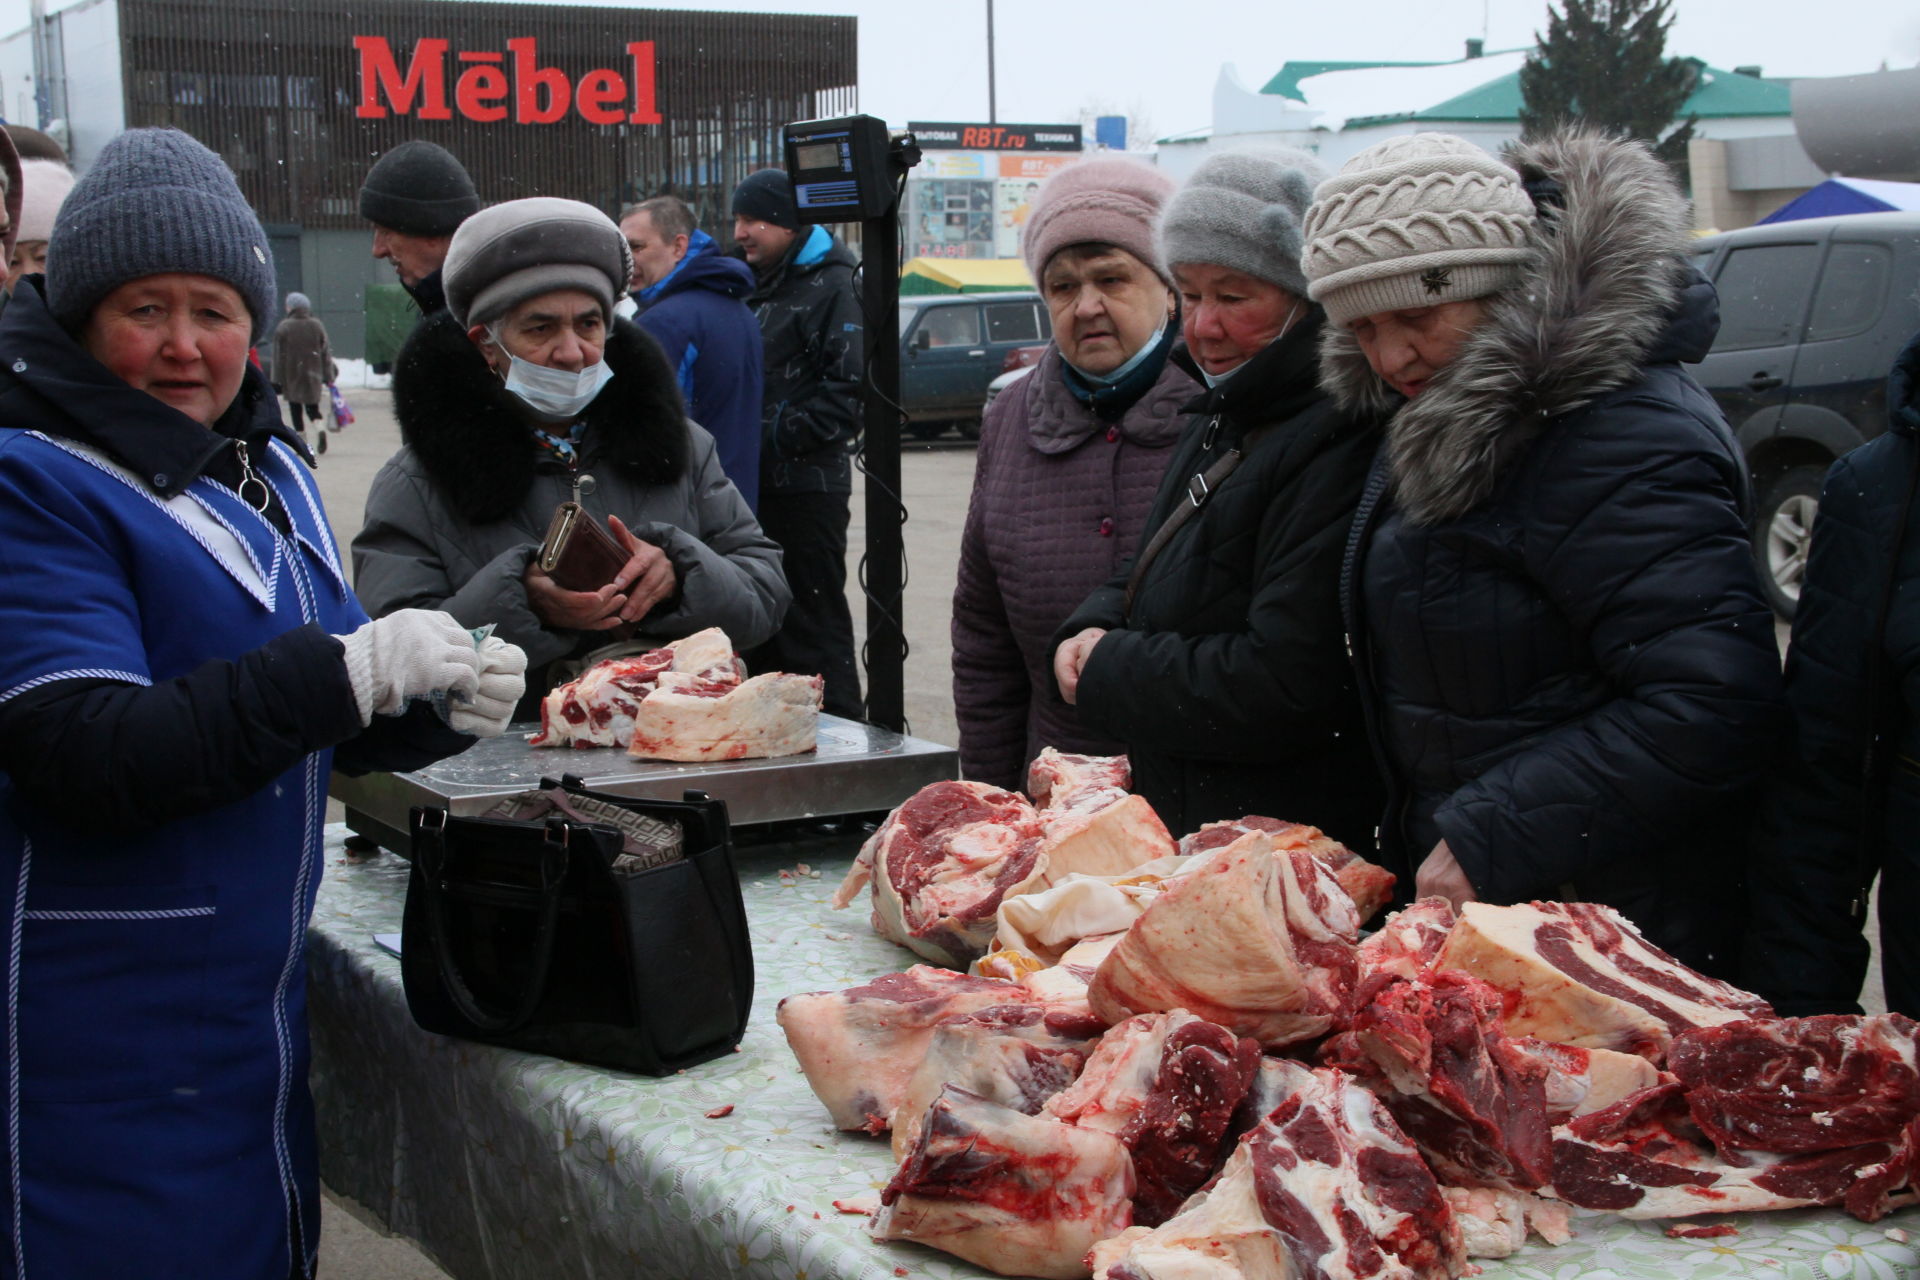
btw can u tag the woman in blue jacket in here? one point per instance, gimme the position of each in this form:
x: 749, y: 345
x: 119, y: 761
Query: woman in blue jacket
x: 183, y: 656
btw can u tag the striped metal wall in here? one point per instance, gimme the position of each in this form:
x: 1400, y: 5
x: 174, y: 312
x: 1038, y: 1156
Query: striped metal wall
x: 273, y: 85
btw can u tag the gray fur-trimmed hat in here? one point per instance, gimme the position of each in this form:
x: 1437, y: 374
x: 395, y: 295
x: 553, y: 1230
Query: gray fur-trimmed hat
x: 156, y: 201
x: 1243, y: 210
x: 1415, y: 221
x: 521, y: 249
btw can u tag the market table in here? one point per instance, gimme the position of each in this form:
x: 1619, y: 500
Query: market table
x: 506, y: 1165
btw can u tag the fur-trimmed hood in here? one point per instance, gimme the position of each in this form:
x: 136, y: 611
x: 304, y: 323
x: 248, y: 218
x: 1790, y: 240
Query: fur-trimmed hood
x: 1607, y: 291
x: 478, y: 448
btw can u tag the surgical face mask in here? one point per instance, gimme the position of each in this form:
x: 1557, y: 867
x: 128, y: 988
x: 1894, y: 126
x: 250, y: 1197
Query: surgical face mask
x: 556, y: 393
x: 1133, y: 362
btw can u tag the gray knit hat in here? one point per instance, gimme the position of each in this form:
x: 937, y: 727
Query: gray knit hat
x: 156, y: 201
x: 418, y: 189
x: 1242, y: 210
x: 1415, y: 221
x: 504, y: 255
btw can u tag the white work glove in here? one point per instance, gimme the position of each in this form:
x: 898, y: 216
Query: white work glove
x: 414, y: 653
x: 503, y: 678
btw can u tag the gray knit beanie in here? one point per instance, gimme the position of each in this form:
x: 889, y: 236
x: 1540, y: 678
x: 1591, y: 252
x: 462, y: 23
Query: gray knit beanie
x: 155, y: 201
x: 1415, y: 221
x: 418, y: 189
x: 521, y: 249
x: 1242, y: 210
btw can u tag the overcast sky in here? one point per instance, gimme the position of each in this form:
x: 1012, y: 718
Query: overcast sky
x: 1159, y: 59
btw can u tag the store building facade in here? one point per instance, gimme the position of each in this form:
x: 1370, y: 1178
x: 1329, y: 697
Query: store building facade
x: 604, y: 105
x: 968, y: 196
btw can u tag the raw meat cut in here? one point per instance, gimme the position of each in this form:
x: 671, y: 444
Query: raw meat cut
x: 859, y: 1048
x: 1165, y: 1084
x: 597, y: 708
x: 1063, y: 987
x: 1100, y: 839
x: 1370, y: 886
x: 941, y: 863
x: 1474, y: 1103
x: 1404, y: 947
x: 1325, y: 1188
x: 1017, y: 1194
x: 1494, y: 1223
x: 692, y: 718
x: 1578, y: 973
x: 1255, y: 936
x: 1582, y: 1080
x: 1046, y: 922
x: 1017, y: 1055
x: 1059, y: 779
x: 1793, y: 1085
x: 1645, y: 1158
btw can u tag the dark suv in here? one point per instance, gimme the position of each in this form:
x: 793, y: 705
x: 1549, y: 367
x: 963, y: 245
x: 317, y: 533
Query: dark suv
x: 1812, y: 315
x: 952, y: 346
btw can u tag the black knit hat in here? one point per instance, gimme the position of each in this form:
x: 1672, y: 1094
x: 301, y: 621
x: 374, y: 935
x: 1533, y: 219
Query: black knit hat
x: 418, y: 189
x: 154, y: 202
x: 767, y: 196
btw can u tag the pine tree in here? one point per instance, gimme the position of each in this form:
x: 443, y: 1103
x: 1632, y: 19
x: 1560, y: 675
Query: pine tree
x: 1604, y: 63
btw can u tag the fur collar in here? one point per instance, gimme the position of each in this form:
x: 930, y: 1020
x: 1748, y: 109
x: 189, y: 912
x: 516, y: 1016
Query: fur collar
x: 1601, y: 289
x: 479, y: 451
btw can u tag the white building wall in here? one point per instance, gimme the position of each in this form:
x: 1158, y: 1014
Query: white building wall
x: 96, y: 89
x: 16, y: 79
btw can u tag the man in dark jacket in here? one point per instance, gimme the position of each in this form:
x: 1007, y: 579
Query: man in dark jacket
x: 812, y: 332
x: 1846, y: 804
x: 1225, y: 673
x: 416, y: 196
x: 690, y: 298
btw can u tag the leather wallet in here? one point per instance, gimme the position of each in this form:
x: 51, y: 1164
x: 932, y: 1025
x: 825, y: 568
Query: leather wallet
x: 578, y: 553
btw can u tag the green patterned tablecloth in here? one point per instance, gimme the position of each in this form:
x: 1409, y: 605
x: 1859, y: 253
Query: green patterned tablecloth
x: 504, y: 1165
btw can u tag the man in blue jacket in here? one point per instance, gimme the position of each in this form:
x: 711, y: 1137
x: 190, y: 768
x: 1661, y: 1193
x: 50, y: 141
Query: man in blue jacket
x: 691, y: 299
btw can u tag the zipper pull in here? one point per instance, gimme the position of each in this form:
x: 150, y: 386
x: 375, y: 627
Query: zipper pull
x: 251, y: 478
x: 1347, y: 638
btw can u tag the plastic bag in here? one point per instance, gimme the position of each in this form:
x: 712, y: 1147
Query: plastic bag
x: 342, y: 411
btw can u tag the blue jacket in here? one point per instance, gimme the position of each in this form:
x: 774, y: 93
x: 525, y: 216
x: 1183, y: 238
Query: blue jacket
x: 170, y: 691
x: 699, y: 316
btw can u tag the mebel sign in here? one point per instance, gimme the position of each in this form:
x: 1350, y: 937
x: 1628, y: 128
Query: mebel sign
x: 484, y: 92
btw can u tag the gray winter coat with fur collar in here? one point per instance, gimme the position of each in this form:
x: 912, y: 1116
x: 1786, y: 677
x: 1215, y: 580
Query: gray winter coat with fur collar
x: 1569, y: 669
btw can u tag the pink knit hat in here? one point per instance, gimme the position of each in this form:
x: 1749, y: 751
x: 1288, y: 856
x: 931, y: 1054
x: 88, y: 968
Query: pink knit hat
x: 1105, y: 200
x: 44, y: 184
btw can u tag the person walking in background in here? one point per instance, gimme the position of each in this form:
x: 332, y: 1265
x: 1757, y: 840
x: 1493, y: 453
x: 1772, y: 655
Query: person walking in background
x: 691, y: 298
x: 1569, y: 669
x: 811, y: 333
x: 302, y: 368
x: 1845, y: 806
x: 43, y: 186
x: 416, y: 196
x: 1218, y: 655
x: 1068, y: 462
x: 184, y: 665
x: 521, y: 384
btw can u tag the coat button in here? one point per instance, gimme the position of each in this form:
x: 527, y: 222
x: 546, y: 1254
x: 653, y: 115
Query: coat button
x: 1113, y: 435
x: 19, y: 366
x: 1106, y: 527
x: 160, y: 480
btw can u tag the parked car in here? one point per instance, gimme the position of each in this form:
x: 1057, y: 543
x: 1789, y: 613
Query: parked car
x: 952, y: 346
x: 1812, y: 315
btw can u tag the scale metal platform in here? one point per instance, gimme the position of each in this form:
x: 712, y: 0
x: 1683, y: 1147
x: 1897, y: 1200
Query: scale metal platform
x: 858, y: 768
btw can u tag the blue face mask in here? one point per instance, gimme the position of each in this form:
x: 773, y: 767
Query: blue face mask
x: 1133, y: 362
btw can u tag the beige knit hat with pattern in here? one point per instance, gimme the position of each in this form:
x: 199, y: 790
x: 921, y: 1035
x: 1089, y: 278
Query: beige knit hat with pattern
x: 1412, y: 222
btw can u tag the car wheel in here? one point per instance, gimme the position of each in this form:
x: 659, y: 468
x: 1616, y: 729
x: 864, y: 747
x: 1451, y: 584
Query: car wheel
x: 970, y: 429
x: 1783, y: 533
x: 925, y: 430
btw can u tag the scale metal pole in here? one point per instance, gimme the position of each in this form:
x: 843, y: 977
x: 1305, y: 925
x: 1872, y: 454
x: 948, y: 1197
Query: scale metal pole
x: 886, y: 509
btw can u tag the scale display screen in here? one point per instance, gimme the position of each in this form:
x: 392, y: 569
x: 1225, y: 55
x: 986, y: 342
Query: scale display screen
x: 818, y: 155
x: 840, y: 169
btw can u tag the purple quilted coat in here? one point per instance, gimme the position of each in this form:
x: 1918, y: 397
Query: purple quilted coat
x: 1059, y: 498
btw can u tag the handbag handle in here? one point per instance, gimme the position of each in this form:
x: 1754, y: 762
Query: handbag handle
x: 430, y: 851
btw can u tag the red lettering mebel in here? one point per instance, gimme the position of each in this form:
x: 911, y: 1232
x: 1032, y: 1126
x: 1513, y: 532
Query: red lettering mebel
x: 484, y: 89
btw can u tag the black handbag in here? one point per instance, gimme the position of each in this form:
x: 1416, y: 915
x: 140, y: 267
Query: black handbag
x: 524, y: 934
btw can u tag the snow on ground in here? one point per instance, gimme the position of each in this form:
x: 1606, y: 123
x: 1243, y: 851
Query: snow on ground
x: 358, y: 373
x: 1340, y: 96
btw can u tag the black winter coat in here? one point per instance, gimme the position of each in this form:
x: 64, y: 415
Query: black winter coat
x: 812, y: 334
x: 1570, y: 670
x: 1229, y: 681
x: 1836, y: 818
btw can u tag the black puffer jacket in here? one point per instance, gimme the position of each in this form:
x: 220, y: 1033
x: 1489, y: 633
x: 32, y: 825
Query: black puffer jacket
x: 1835, y: 819
x: 1229, y: 682
x: 814, y: 345
x: 1569, y: 667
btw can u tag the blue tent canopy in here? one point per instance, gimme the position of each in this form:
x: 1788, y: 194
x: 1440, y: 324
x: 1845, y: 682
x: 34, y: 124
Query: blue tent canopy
x: 1848, y: 195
